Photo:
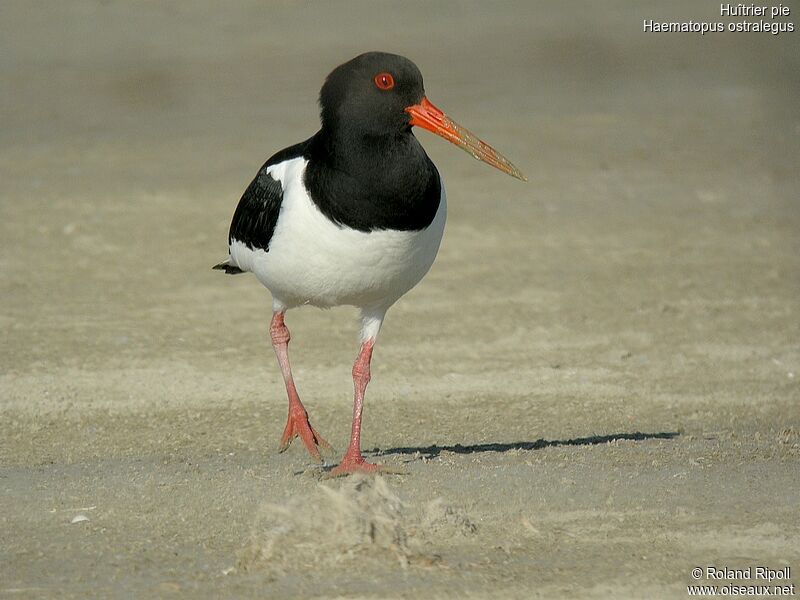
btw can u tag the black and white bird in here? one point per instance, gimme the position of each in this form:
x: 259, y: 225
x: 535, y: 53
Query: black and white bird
x: 352, y: 216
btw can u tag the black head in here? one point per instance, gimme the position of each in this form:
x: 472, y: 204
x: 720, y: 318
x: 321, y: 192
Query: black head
x: 369, y: 95
x: 371, y: 102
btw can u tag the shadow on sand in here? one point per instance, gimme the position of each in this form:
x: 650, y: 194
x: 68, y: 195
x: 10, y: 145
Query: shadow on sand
x: 429, y: 452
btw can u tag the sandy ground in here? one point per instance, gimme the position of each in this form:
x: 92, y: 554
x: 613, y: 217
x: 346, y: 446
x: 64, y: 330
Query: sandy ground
x: 595, y: 389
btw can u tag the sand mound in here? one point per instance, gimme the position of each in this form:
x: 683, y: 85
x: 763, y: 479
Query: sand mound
x: 360, y: 518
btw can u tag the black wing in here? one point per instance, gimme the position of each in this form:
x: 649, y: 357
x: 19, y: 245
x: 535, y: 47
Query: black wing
x: 257, y: 213
x: 254, y: 220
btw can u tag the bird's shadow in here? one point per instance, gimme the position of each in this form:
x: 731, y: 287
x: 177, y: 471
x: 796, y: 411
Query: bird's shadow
x: 429, y: 452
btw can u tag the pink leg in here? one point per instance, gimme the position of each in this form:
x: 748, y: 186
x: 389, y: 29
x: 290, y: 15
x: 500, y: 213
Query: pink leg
x: 353, y: 460
x: 297, y: 423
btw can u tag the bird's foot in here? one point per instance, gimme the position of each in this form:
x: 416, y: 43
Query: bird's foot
x: 353, y: 462
x: 299, y: 425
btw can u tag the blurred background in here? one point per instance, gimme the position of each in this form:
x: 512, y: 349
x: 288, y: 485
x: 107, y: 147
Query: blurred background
x: 129, y: 131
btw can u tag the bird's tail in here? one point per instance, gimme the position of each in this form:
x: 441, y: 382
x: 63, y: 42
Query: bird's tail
x: 229, y: 268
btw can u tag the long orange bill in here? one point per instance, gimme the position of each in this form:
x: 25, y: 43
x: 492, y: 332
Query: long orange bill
x: 427, y: 116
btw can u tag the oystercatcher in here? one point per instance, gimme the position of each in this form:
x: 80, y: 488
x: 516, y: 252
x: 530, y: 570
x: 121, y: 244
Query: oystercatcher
x: 351, y: 216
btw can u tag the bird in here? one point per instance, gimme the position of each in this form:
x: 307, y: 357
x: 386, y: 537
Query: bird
x: 353, y: 215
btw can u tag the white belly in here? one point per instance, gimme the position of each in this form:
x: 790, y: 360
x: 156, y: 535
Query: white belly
x: 314, y: 261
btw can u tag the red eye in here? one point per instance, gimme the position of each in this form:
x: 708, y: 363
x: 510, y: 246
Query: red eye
x: 384, y: 81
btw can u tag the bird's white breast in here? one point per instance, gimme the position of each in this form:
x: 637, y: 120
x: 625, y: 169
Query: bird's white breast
x: 312, y: 260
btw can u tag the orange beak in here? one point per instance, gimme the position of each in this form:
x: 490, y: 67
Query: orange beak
x: 427, y: 116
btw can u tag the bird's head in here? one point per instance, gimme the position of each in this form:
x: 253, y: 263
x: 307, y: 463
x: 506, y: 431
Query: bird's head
x: 380, y: 94
x: 370, y: 93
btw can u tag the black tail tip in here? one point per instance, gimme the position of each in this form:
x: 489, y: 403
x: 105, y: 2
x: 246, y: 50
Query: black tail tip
x: 228, y: 268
